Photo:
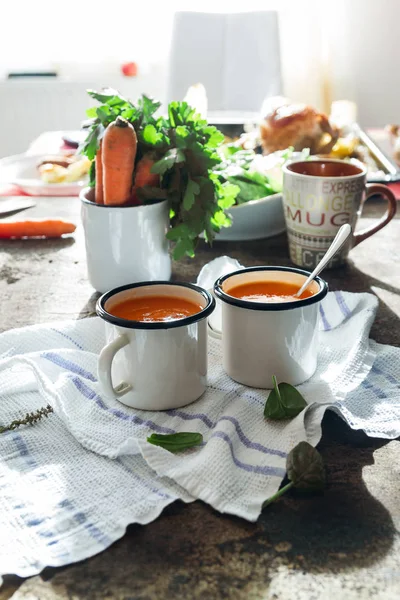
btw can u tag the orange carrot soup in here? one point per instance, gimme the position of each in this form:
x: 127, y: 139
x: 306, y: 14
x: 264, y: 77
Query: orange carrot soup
x: 149, y: 309
x: 268, y: 291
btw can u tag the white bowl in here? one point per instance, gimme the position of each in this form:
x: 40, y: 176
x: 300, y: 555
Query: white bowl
x: 21, y: 170
x: 255, y: 220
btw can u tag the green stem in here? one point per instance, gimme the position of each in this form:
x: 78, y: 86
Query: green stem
x: 276, y: 388
x: 278, y: 494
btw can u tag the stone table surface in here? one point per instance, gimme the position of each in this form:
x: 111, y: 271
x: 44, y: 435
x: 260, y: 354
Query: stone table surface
x: 343, y: 545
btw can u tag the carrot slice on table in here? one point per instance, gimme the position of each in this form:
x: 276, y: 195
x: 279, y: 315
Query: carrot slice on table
x: 99, y: 196
x: 51, y: 228
x: 119, y: 152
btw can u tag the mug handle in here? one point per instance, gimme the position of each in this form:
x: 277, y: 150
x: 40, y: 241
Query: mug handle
x: 104, y: 368
x: 214, y: 333
x: 373, y: 189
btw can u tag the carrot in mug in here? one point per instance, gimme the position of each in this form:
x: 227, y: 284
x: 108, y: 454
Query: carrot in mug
x: 143, y: 174
x: 119, y: 152
x: 98, y: 194
x: 51, y: 228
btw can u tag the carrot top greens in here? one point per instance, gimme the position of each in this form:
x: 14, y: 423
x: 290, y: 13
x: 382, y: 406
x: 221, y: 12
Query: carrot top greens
x: 184, y: 148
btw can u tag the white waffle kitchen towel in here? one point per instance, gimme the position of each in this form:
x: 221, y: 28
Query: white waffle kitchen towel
x: 71, y: 484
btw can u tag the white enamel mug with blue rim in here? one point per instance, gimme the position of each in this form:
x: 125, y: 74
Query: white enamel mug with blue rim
x: 125, y: 244
x: 260, y: 340
x: 156, y: 365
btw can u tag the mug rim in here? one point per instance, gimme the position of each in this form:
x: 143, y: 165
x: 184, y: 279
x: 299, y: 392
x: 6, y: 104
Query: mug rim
x: 359, y: 165
x: 83, y: 198
x: 130, y: 324
x: 270, y: 306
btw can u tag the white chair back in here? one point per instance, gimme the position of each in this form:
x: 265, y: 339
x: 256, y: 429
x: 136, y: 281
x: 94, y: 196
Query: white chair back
x: 235, y: 56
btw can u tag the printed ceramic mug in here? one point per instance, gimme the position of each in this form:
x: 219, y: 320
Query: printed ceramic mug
x: 259, y: 339
x: 319, y: 196
x: 155, y: 365
x: 125, y: 244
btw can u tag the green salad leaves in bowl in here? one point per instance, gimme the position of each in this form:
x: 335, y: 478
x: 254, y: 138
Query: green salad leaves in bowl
x: 258, y: 211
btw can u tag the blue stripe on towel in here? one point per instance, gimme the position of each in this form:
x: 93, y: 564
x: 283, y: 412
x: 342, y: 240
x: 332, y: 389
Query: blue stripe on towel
x: 68, y: 365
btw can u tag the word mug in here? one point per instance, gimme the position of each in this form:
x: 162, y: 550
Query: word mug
x: 319, y: 196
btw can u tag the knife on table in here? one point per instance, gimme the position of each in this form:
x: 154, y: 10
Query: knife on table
x: 14, y: 204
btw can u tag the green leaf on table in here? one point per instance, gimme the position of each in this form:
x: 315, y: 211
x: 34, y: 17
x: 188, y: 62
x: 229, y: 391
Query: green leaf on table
x: 192, y: 190
x: 176, y: 442
x: 283, y: 402
x: 305, y: 467
x: 305, y: 470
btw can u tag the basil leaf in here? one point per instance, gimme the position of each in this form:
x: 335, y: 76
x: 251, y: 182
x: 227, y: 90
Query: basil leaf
x: 175, y: 442
x: 273, y: 408
x: 305, y: 467
x: 305, y: 471
x: 283, y: 402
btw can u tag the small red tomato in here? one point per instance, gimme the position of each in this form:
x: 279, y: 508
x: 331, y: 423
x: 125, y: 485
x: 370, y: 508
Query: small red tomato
x: 129, y: 69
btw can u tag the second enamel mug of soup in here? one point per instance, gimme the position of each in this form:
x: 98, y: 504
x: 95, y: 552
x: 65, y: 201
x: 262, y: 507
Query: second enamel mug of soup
x: 262, y: 339
x: 154, y: 364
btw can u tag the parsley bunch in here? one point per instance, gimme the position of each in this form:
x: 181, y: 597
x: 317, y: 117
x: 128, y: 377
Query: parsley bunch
x: 184, y: 148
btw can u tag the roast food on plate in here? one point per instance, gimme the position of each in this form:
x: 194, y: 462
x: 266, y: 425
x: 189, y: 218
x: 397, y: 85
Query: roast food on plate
x: 299, y: 126
x: 285, y: 124
x: 63, y: 168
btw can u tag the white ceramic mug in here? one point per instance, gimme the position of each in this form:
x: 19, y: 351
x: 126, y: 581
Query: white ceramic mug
x: 158, y: 365
x: 260, y: 340
x: 319, y: 196
x: 125, y: 244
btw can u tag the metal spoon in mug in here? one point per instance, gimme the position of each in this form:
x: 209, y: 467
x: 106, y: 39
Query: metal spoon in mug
x: 337, y: 243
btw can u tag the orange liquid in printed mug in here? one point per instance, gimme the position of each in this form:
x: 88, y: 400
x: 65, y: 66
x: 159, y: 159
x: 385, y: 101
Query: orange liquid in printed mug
x: 268, y: 291
x: 150, y: 309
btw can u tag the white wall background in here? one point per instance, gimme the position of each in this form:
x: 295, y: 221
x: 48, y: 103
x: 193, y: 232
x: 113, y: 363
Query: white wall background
x: 329, y: 51
x: 374, y: 57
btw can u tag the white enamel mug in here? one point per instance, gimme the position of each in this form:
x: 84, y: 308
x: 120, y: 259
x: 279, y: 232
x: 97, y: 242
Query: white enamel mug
x: 125, y: 244
x: 155, y: 365
x: 260, y: 340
